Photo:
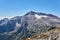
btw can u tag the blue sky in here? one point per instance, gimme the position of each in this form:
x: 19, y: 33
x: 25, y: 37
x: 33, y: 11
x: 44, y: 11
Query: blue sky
x: 10, y: 8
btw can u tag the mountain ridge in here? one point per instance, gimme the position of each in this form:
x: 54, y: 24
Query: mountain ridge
x: 53, y: 34
x: 32, y: 13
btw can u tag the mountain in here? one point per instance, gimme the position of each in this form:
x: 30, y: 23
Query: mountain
x: 31, y: 23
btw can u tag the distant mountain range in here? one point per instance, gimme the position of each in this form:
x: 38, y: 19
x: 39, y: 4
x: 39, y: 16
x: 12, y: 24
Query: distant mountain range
x: 20, y: 27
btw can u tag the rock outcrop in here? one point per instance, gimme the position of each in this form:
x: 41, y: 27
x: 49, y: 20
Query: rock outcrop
x: 53, y: 34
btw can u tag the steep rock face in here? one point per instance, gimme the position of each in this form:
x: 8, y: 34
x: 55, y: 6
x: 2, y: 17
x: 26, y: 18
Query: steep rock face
x: 9, y: 25
x: 3, y: 24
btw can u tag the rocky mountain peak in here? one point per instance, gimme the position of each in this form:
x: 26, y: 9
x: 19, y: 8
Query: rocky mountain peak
x: 30, y: 13
x: 39, y: 13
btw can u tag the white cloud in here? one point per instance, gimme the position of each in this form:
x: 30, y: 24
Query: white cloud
x: 6, y: 17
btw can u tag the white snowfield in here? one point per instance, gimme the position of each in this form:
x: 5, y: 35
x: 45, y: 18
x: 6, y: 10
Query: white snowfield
x: 40, y: 16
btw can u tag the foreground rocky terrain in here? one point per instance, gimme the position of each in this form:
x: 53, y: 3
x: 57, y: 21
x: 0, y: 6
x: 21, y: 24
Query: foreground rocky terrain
x: 53, y: 34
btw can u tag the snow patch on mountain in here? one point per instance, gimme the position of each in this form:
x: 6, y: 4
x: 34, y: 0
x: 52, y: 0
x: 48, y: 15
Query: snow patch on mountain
x: 17, y: 25
x: 40, y: 16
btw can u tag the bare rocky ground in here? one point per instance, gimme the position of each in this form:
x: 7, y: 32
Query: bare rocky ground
x: 50, y: 35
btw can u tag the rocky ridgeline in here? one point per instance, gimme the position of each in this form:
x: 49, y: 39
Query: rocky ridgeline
x: 50, y: 35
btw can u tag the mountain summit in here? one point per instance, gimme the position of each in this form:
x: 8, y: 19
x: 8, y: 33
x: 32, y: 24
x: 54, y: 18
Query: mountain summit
x: 33, y: 13
x: 31, y: 23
